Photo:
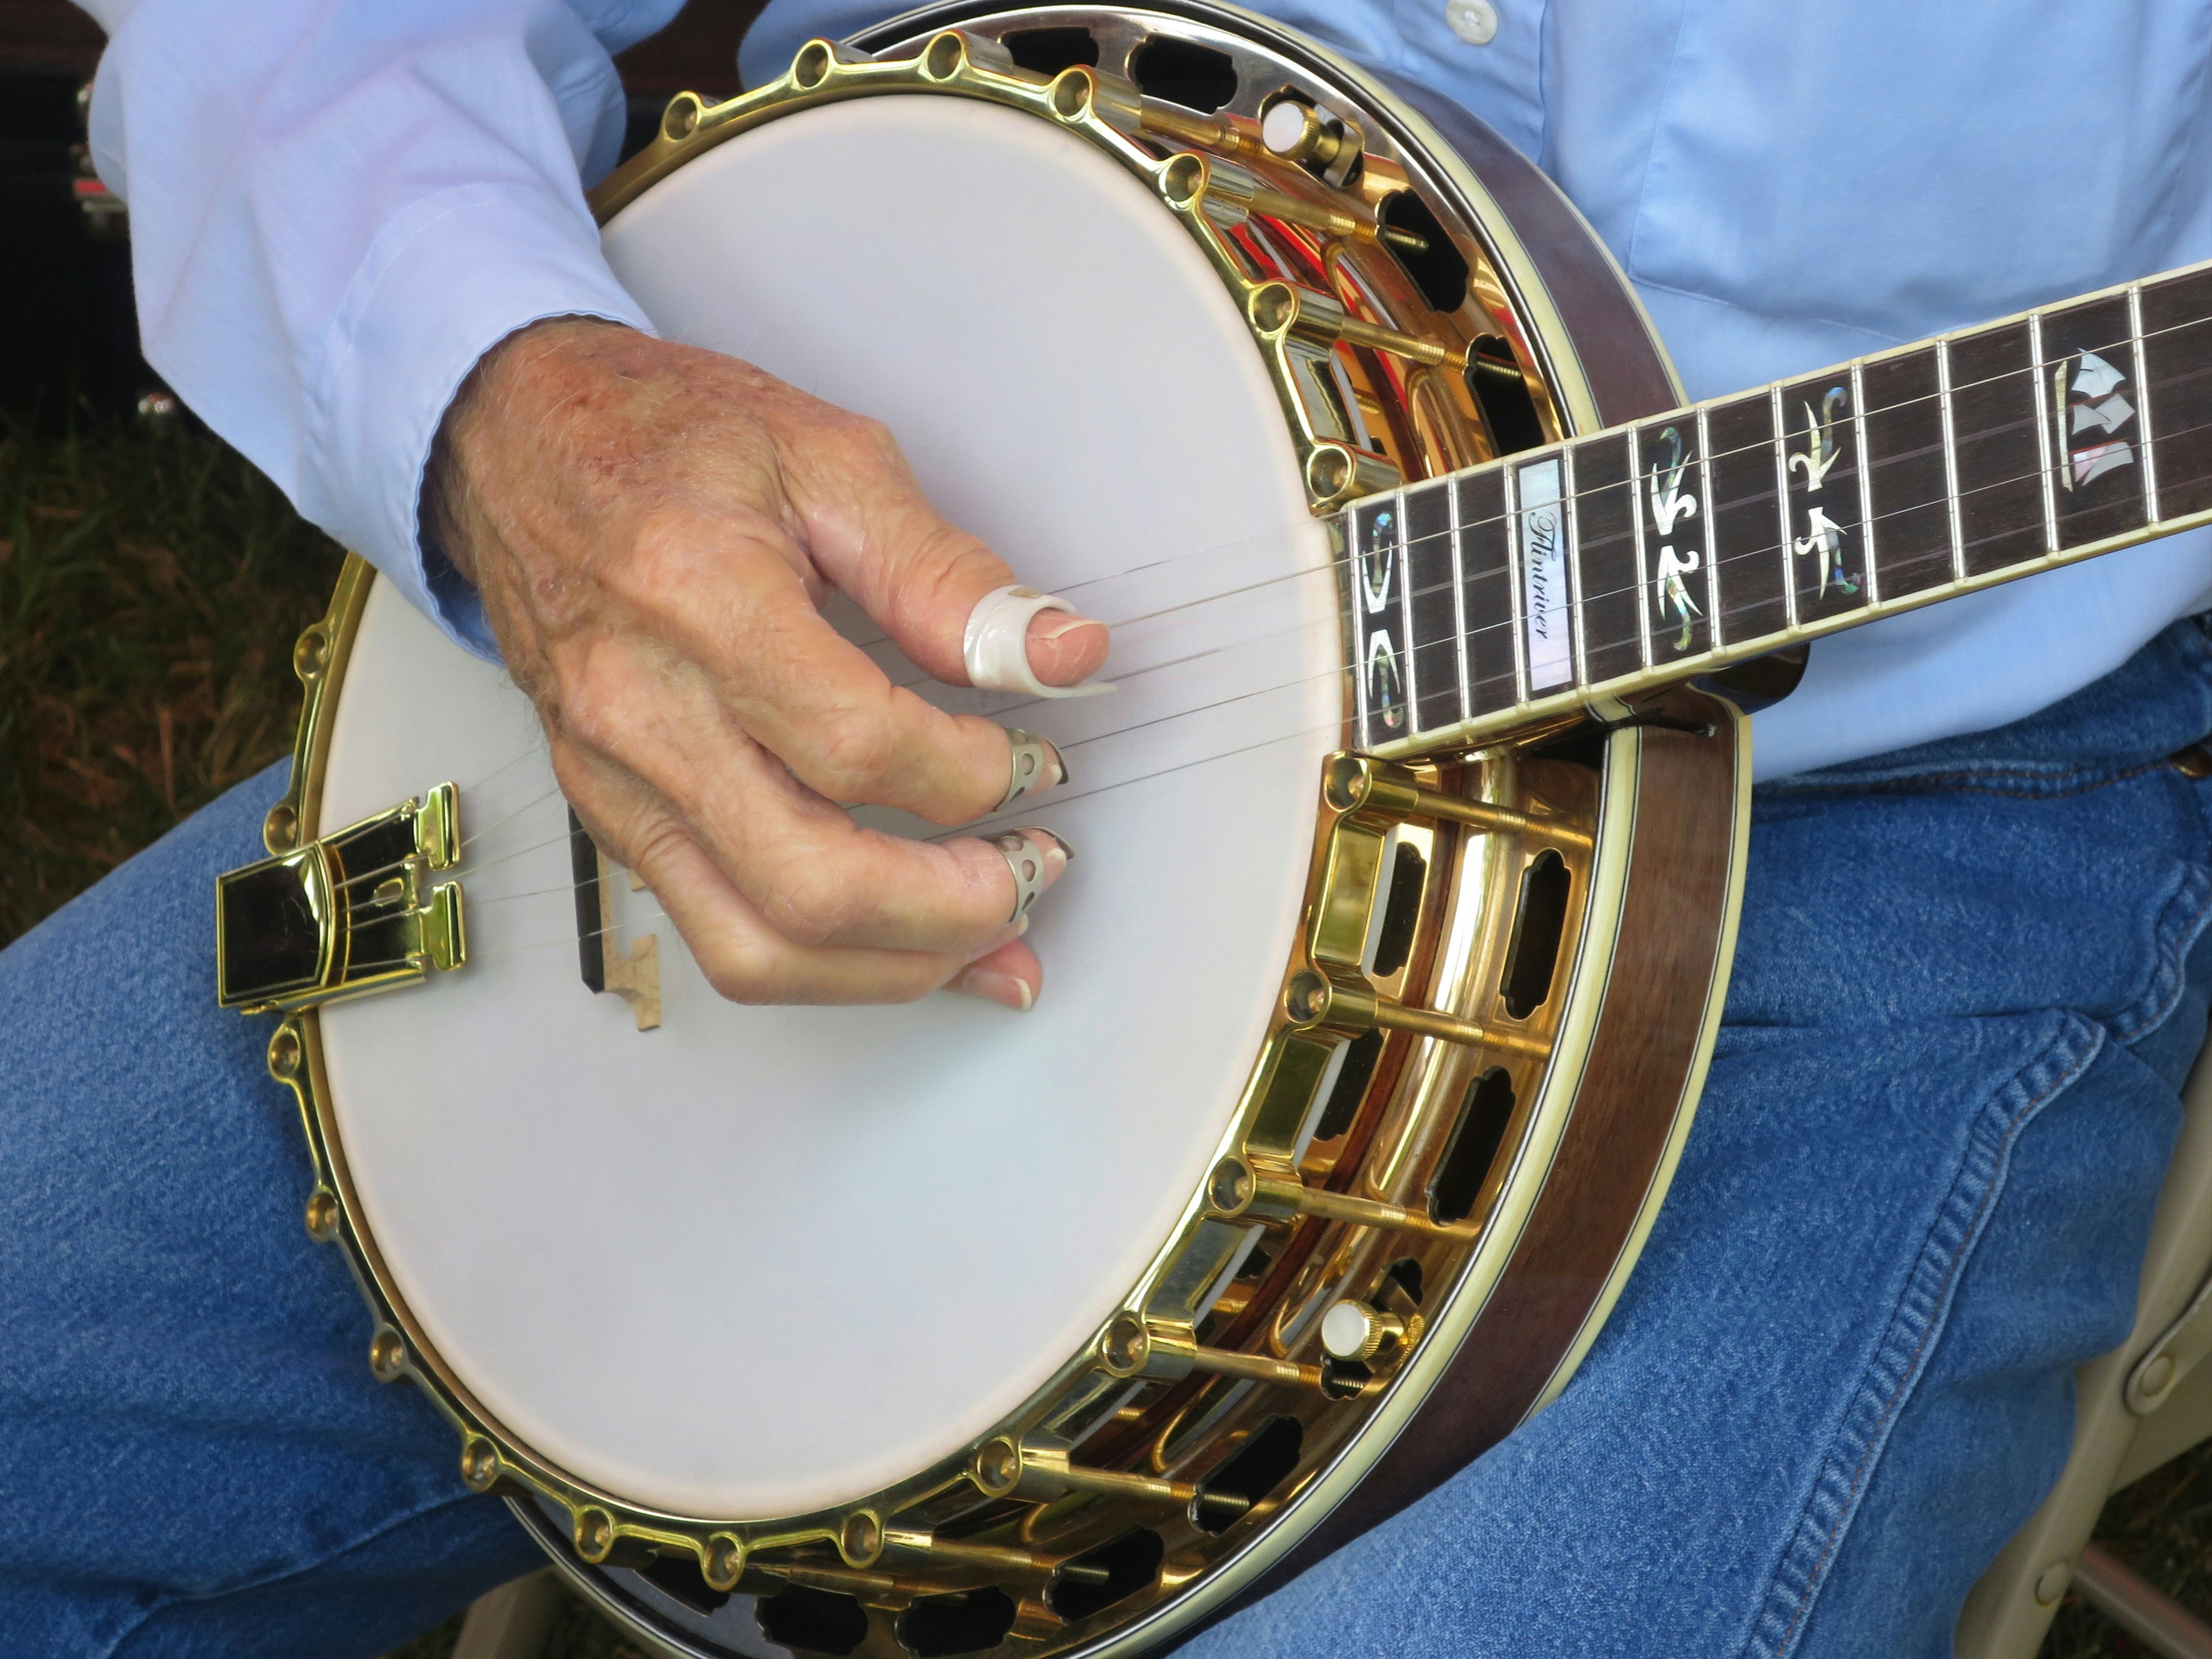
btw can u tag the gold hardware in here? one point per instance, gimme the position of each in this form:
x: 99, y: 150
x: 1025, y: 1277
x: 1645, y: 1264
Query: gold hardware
x: 1331, y: 146
x: 1280, y: 308
x: 387, y: 1356
x: 1338, y: 472
x: 295, y: 931
x: 860, y: 1540
x: 1240, y: 1189
x: 1133, y: 1346
x: 594, y: 1534
x: 1316, y: 1001
x: 844, y: 1581
x: 479, y: 1464
x: 1360, y: 783
x: 1078, y: 93
x: 957, y: 1553
x: 1005, y: 1467
x: 1352, y: 1330
x: 681, y: 118
x: 1295, y: 132
x: 322, y: 1216
x: 723, y: 1560
x: 1229, y: 195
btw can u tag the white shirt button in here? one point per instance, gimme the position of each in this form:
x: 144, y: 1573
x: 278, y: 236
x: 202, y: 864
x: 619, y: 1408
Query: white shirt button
x: 1474, y: 21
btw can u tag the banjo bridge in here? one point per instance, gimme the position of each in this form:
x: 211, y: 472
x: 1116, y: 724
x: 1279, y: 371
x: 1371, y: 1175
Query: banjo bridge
x: 353, y: 913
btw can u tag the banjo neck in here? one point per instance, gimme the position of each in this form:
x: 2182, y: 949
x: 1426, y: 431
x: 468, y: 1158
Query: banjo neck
x: 1659, y: 552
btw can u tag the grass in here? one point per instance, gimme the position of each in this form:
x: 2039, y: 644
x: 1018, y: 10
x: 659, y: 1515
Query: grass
x: 151, y: 583
x: 2161, y: 1525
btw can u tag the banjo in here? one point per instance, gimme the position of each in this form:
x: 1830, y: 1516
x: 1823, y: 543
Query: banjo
x: 1413, y: 835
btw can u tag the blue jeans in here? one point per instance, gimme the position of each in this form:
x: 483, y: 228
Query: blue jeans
x: 1970, y: 981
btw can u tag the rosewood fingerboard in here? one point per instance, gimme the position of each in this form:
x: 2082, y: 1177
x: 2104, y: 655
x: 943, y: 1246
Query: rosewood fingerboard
x: 1654, y: 553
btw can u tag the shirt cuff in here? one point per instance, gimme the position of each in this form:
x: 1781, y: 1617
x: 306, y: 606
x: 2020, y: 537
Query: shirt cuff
x: 444, y: 282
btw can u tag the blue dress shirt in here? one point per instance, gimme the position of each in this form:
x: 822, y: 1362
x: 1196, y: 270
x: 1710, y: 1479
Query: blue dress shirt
x: 337, y: 208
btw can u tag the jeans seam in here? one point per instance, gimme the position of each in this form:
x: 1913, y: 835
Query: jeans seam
x: 1977, y: 781
x: 299, y: 1571
x: 2181, y: 919
x: 1916, y: 1321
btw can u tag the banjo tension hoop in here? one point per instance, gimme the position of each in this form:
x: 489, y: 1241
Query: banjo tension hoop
x: 353, y: 913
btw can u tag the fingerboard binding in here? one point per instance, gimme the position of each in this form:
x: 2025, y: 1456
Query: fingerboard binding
x: 1571, y: 577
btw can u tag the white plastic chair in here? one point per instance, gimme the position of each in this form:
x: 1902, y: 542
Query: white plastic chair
x: 2139, y: 1406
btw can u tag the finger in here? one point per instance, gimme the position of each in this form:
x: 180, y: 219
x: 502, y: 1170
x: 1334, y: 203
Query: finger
x: 787, y: 677
x: 874, y: 534
x: 743, y: 957
x: 815, y: 877
x: 1010, y: 975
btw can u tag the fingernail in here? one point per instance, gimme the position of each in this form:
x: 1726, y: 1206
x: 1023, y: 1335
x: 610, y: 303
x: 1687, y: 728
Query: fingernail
x: 1059, y: 851
x: 1059, y: 764
x: 1063, y: 624
x: 1003, y: 989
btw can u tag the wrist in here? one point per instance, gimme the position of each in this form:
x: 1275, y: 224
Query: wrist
x: 507, y: 399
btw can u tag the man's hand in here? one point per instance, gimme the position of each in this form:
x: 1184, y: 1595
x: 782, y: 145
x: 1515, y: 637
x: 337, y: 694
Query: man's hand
x: 653, y: 527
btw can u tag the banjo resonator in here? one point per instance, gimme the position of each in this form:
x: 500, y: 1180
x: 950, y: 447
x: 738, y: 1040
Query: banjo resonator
x: 926, y: 1332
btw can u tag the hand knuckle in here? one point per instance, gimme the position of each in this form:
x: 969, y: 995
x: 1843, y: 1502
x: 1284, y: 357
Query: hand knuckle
x: 854, y: 747
x: 811, y: 904
x: 741, y: 972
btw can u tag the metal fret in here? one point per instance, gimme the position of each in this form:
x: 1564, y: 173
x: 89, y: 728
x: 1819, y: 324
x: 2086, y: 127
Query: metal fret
x: 2176, y: 342
x: 1643, y: 566
x: 1511, y: 481
x: 1460, y: 623
x: 1950, y: 458
x: 1781, y: 502
x: 1571, y: 562
x: 1995, y: 450
x: 1716, y: 635
x: 1866, y: 487
x: 1480, y: 509
x: 1362, y: 716
x: 2043, y: 431
x: 1409, y: 653
x: 2143, y: 406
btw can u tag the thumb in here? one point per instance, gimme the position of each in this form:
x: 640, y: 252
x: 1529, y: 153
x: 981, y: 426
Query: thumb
x: 874, y: 534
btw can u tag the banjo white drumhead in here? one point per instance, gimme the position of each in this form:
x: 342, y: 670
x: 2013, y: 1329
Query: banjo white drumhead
x: 763, y: 1261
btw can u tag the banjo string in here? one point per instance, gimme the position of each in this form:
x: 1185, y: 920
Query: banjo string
x: 1764, y: 447
x: 575, y: 936
x: 1174, y: 715
x: 1241, y: 697
x: 1761, y: 553
x: 1451, y: 641
x: 1067, y: 800
x: 1718, y: 565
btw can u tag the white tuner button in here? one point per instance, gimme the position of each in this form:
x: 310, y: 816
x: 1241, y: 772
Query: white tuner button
x: 1474, y: 21
x: 1288, y: 127
x: 1352, y: 1330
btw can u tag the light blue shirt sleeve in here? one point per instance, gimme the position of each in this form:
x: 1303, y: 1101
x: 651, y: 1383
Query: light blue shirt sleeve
x: 336, y: 209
